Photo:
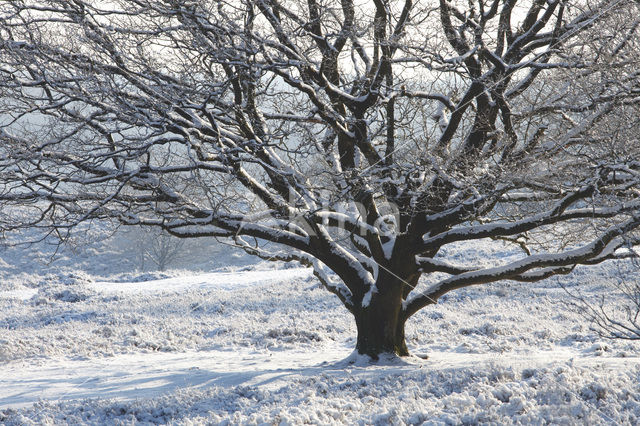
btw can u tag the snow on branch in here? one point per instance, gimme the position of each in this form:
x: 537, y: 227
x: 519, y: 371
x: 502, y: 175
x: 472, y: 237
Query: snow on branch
x: 549, y: 217
x: 608, y: 242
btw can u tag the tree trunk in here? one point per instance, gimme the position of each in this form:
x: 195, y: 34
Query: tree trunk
x: 381, y: 328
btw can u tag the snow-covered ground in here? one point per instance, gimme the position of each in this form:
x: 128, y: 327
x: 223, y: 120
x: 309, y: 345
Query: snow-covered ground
x: 258, y: 345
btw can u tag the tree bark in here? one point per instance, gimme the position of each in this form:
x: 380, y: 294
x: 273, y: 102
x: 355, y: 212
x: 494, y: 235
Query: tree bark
x: 381, y: 327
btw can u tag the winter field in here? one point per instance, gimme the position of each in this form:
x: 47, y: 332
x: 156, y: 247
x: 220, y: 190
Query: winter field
x: 262, y: 343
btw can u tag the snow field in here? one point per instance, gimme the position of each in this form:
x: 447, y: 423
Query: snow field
x: 266, y: 347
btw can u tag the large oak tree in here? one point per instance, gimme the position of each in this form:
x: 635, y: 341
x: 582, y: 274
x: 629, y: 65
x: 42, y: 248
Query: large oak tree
x: 361, y: 137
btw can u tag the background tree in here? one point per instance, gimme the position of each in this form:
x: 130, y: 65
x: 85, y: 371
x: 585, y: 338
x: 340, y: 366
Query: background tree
x: 362, y: 138
x: 164, y: 250
x: 157, y: 247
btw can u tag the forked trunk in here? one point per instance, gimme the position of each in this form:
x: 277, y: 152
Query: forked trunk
x: 381, y: 328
